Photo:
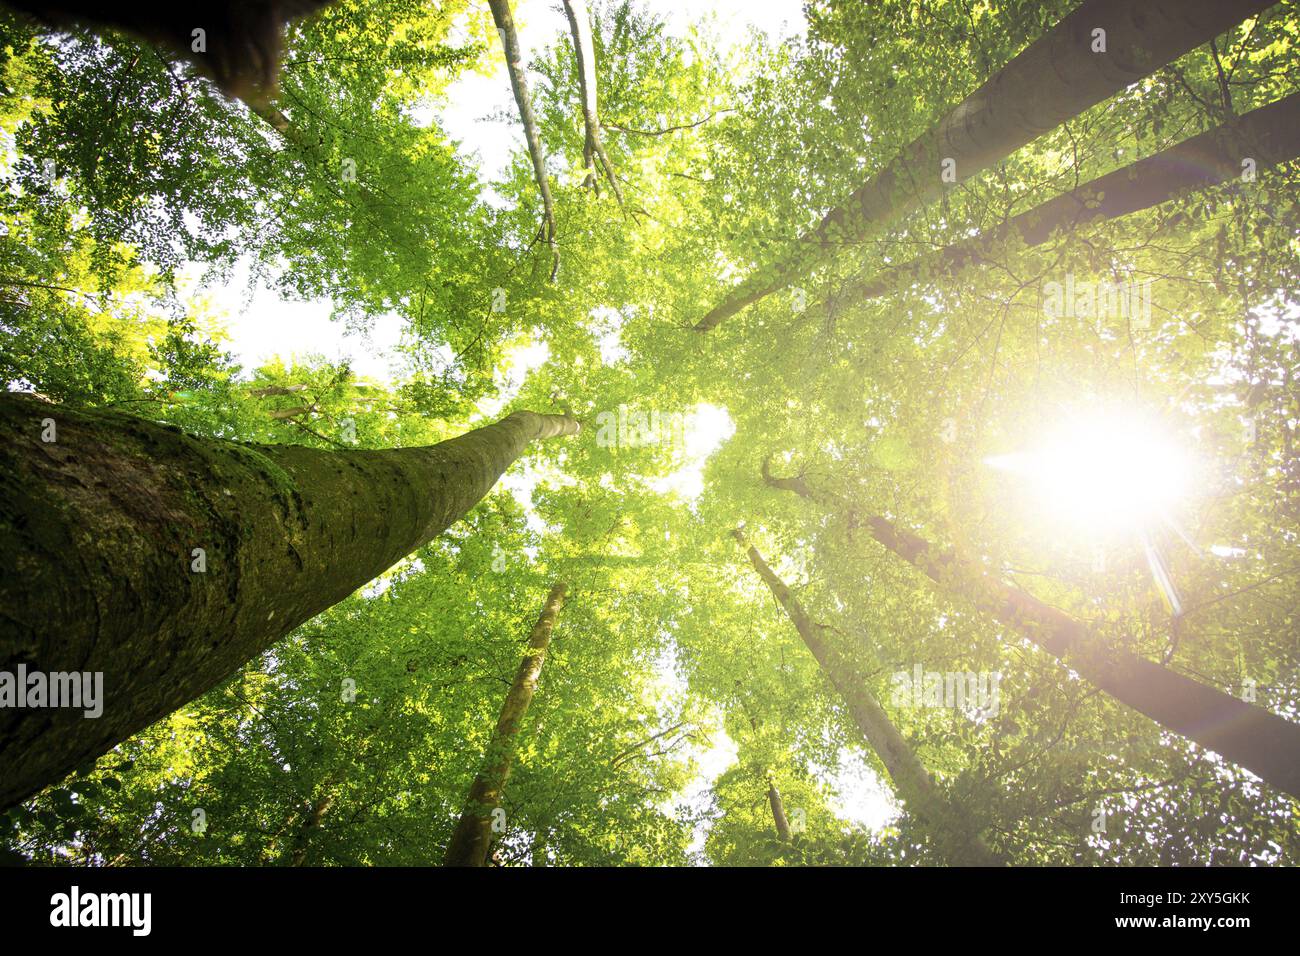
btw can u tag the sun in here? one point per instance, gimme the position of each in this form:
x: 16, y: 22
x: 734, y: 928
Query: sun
x: 1105, y: 472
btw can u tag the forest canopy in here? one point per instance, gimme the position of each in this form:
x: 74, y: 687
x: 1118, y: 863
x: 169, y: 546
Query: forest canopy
x: 872, y: 442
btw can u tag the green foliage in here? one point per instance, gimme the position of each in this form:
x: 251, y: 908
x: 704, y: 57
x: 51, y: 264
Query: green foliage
x: 676, y: 688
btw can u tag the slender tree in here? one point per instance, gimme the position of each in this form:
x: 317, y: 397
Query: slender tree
x: 778, y: 812
x: 1246, y: 734
x: 951, y: 828
x: 302, y: 841
x: 165, y: 562
x: 505, y: 22
x: 594, y: 156
x: 1071, y: 68
x: 472, y: 837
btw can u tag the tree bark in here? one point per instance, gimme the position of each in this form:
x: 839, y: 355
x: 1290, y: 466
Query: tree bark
x: 593, y: 152
x: 99, y: 567
x: 953, y: 832
x: 242, y: 39
x: 1269, y: 136
x: 1054, y: 79
x: 302, y: 841
x: 778, y: 812
x: 276, y: 390
x: 1245, y: 734
x: 505, y: 22
x: 473, y: 834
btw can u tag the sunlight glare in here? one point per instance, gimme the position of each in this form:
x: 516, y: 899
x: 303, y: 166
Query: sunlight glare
x: 1105, y: 473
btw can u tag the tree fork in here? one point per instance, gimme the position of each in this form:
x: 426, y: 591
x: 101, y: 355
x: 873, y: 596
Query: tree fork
x: 472, y: 837
x: 166, y: 562
x: 584, y: 51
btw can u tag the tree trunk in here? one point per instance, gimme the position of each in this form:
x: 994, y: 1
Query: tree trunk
x: 1054, y: 79
x: 473, y: 834
x: 584, y: 50
x: 276, y: 390
x: 953, y: 832
x: 778, y: 812
x: 519, y: 84
x: 302, y: 841
x: 1269, y: 136
x: 1245, y: 734
x: 101, y: 568
x: 242, y: 39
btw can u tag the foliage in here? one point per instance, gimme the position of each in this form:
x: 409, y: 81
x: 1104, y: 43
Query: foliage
x: 670, y: 655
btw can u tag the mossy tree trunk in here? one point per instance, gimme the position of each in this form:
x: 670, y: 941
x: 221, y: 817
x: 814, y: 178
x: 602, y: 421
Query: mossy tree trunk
x: 167, y: 561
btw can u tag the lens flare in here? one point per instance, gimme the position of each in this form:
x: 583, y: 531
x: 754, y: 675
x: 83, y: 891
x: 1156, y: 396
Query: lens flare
x: 1105, y: 473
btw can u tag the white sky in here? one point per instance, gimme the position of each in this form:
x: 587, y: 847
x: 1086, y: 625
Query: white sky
x: 474, y: 98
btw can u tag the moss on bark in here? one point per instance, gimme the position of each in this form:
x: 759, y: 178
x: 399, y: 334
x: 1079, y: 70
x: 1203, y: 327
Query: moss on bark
x: 97, y: 537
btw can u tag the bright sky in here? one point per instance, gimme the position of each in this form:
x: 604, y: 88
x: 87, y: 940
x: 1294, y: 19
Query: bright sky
x: 475, y: 99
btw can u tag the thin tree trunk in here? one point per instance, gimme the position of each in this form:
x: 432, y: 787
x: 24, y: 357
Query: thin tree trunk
x: 584, y: 50
x: 302, y: 841
x: 778, y: 812
x: 1243, y: 733
x: 1268, y: 136
x: 1247, y: 735
x: 101, y: 568
x: 949, y: 826
x: 519, y: 84
x: 281, y: 414
x: 473, y: 834
x: 1054, y: 79
x: 276, y: 390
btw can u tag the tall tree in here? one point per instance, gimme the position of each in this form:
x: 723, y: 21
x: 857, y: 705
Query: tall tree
x: 1244, y: 733
x: 473, y: 834
x: 594, y: 156
x: 1092, y: 54
x: 165, y: 561
x: 778, y: 812
x: 1261, y: 138
x: 950, y: 826
x: 505, y: 22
